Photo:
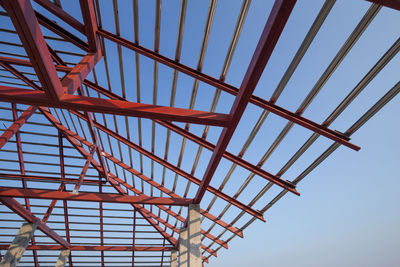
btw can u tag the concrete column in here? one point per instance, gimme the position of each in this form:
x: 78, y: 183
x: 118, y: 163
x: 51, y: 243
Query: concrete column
x: 18, y: 246
x: 174, y: 260
x: 62, y: 258
x: 183, y: 248
x: 194, y: 236
x: 190, y: 240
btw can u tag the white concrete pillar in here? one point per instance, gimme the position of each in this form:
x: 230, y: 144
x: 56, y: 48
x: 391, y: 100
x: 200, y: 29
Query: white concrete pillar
x: 18, y: 246
x: 174, y: 260
x: 194, y: 236
x: 62, y: 258
x: 183, y: 248
x: 190, y: 240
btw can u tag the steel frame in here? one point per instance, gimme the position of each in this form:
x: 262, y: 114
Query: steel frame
x: 67, y: 95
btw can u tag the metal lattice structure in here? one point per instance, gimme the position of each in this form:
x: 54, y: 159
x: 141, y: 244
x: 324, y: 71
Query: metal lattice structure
x: 98, y: 169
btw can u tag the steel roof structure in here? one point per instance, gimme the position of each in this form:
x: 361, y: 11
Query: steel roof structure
x: 106, y: 166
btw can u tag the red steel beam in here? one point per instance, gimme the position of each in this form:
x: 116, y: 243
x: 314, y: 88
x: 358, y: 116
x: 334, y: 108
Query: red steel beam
x: 35, y: 97
x: 75, y: 77
x: 153, y: 184
x: 52, y: 205
x: 65, y: 204
x: 206, y: 214
x: 267, y: 105
x: 95, y: 140
x: 91, y: 197
x: 177, y: 170
x: 22, y: 170
x: 28, y: 216
x: 83, y: 172
x: 146, y: 214
x: 60, y: 13
x: 27, y: 27
x: 236, y: 231
x: 94, y: 248
x: 45, y: 178
x: 167, y: 210
x: 201, y: 141
x: 89, y: 18
x: 19, y: 75
x: 168, y: 192
x: 235, y: 159
x: 50, y: 25
x: 276, y: 22
x: 27, y: 63
x: 102, y: 226
x: 71, y: 138
x: 17, y: 124
x: 395, y: 4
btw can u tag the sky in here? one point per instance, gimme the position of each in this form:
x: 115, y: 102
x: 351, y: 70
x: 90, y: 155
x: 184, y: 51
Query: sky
x: 348, y: 213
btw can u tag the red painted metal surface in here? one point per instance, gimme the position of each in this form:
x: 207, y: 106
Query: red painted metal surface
x: 59, y: 94
x: 27, y: 215
x: 395, y: 4
x: 95, y: 248
x: 201, y: 141
x: 60, y: 13
x: 26, y: 63
x: 75, y: 77
x: 71, y: 138
x: 92, y: 197
x: 26, y: 24
x: 89, y: 18
x: 66, y: 35
x: 17, y: 124
x: 46, y: 178
x: 277, y: 19
x: 270, y: 106
x: 83, y: 172
x: 24, y: 96
x: 52, y: 205
x: 177, y: 170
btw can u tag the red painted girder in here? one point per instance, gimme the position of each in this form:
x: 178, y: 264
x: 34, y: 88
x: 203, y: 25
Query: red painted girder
x: 19, y: 75
x: 203, y: 232
x: 83, y: 172
x: 70, y: 136
x: 94, y: 248
x: 395, y: 4
x: 60, y: 13
x: 34, y: 97
x: 75, y: 77
x: 56, y: 58
x: 267, y: 105
x: 14, y: 128
x: 176, y: 169
x: 168, y: 192
x: 92, y: 197
x: 93, y: 134
x: 45, y: 178
x: 147, y: 215
x: 201, y: 141
x: 53, y: 203
x: 235, y: 159
x: 27, y: 27
x: 276, y: 22
x: 28, y: 216
x: 89, y: 18
x: 50, y: 25
x: 27, y: 63
x: 169, y: 211
x: 165, y: 190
